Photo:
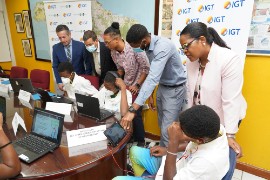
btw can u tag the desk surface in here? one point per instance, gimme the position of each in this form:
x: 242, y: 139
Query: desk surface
x: 63, y: 161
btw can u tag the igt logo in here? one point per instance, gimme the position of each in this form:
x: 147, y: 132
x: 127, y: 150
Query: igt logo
x: 51, y: 6
x: 192, y: 20
x: 178, y: 32
x: 54, y: 39
x: 183, y: 11
x: 53, y: 23
x: 232, y: 32
x: 82, y: 5
x: 82, y: 22
x: 68, y: 6
x: 215, y: 19
x: 67, y: 14
x: 208, y: 7
x: 233, y: 4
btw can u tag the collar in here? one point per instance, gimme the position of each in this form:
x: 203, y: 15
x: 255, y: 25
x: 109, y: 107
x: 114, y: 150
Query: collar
x: 98, y: 48
x: 154, y: 39
x: 212, y: 52
x: 70, y: 44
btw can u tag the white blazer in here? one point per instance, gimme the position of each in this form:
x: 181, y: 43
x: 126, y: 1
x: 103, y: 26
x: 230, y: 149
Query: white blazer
x: 221, y: 86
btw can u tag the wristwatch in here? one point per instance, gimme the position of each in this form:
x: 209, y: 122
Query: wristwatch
x: 231, y: 136
x: 131, y: 109
x: 138, y: 85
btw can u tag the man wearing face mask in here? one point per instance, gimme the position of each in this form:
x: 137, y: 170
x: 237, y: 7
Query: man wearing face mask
x: 100, y: 56
x: 72, y: 83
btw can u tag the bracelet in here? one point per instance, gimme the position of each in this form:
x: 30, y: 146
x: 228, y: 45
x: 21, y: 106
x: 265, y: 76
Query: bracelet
x: 138, y: 85
x: 231, y: 136
x: 6, y: 145
x: 171, y: 153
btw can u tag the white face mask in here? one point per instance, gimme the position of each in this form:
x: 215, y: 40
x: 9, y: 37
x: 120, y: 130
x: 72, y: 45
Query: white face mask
x: 66, y: 81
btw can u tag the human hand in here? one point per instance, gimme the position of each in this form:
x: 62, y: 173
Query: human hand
x: 134, y: 89
x: 175, y: 134
x: 236, y: 147
x: 151, y: 103
x: 1, y: 120
x: 127, y: 120
x: 120, y: 83
x: 61, y: 86
x: 158, y: 151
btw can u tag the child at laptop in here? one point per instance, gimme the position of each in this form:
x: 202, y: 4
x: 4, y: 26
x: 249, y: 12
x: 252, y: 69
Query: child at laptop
x: 114, y: 96
x: 74, y: 83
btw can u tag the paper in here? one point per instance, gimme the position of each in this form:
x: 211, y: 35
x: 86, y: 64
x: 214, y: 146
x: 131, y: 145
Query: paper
x: 86, y: 135
x: 87, y: 148
x: 68, y: 118
x: 61, y: 108
x: 25, y: 103
x: 4, y: 91
x: 16, y: 121
x: 24, y: 95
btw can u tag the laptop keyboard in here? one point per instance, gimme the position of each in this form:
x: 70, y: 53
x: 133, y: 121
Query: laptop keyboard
x: 35, y: 144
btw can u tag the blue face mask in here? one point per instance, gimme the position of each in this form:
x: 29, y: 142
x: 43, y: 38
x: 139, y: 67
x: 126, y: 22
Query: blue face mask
x: 91, y: 48
x: 138, y: 50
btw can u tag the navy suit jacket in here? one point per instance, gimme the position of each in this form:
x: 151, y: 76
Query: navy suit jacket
x: 80, y: 59
x: 106, y: 62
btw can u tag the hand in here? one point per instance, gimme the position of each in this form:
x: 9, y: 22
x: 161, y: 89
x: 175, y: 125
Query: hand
x: 127, y: 120
x: 61, y: 86
x: 158, y: 151
x: 120, y: 83
x: 175, y: 134
x: 236, y: 147
x: 134, y: 89
x: 1, y: 120
x: 151, y: 103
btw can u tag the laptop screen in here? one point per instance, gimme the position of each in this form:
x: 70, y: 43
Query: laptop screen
x: 48, y: 124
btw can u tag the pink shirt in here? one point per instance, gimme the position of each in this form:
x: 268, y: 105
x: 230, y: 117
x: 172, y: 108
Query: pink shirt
x: 132, y: 63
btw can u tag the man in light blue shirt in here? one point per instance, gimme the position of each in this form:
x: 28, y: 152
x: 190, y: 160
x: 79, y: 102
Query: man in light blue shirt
x: 166, y: 70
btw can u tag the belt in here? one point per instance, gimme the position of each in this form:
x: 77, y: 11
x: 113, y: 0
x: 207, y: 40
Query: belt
x: 173, y: 86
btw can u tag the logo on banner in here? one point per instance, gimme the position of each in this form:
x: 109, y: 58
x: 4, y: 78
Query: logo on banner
x: 191, y: 1
x: 216, y: 19
x: 233, y: 4
x: 53, y: 23
x: 178, y: 32
x: 82, y: 5
x: 188, y: 20
x: 183, y: 11
x: 208, y: 7
x: 51, y: 6
x: 231, y: 32
x: 54, y: 39
x: 68, y: 6
x: 82, y: 22
x: 66, y: 14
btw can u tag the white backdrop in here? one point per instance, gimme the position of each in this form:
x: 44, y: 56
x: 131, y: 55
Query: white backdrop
x: 231, y: 19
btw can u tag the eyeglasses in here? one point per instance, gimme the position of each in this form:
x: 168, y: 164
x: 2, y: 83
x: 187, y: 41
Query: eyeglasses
x: 186, y: 46
x: 107, y: 43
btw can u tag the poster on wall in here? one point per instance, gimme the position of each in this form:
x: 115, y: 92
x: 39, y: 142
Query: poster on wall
x: 165, y: 18
x: 259, y: 36
x: 221, y: 15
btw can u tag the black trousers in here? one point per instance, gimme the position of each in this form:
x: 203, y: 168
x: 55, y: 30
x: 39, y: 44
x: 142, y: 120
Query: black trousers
x: 138, y: 127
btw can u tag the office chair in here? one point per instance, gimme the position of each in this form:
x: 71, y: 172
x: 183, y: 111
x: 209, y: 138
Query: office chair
x: 40, y: 79
x: 93, y: 79
x: 18, y: 72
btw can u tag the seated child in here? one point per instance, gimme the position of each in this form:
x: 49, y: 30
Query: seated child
x: 74, y: 83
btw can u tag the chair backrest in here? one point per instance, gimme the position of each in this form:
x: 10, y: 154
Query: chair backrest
x: 18, y: 72
x: 40, y: 79
x: 93, y: 79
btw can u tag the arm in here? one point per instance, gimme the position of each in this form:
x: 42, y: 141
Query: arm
x: 55, y: 64
x: 11, y: 165
x: 124, y: 102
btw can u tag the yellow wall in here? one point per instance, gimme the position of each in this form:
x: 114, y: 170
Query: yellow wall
x: 16, y: 6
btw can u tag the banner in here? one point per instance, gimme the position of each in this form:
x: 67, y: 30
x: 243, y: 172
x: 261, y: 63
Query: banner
x: 75, y: 14
x: 231, y: 19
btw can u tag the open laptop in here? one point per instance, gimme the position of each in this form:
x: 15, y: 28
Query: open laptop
x: 21, y: 83
x: 89, y: 106
x: 45, y: 136
x: 45, y: 97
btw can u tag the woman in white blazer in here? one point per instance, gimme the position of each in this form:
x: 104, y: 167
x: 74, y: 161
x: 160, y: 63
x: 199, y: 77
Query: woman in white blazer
x: 215, y: 79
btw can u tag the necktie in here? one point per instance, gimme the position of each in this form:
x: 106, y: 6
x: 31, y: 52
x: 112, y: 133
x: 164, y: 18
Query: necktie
x: 68, y: 53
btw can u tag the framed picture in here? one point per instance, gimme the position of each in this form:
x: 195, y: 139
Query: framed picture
x: 26, y: 47
x: 27, y: 23
x: 19, y: 22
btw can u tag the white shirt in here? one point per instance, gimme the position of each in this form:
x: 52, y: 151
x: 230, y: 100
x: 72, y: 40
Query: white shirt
x: 96, y: 56
x: 111, y: 104
x: 79, y: 85
x: 208, y: 161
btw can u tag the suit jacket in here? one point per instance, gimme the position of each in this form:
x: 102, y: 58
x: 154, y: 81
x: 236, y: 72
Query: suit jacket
x: 221, y: 86
x: 80, y: 58
x: 106, y: 62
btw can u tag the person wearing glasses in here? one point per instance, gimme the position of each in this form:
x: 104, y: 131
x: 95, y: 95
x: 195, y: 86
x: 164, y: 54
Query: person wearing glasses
x: 166, y: 70
x: 133, y: 66
x: 205, y: 157
x: 215, y: 79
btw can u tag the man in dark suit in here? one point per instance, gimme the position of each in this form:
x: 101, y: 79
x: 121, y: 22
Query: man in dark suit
x: 69, y: 50
x: 100, y: 56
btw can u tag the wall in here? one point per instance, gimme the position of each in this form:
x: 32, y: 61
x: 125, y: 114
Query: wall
x: 16, y: 6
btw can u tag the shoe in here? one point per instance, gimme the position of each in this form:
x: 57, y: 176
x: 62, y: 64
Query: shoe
x: 130, y: 170
x: 141, y: 143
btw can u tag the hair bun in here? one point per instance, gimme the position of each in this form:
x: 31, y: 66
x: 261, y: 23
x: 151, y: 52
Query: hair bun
x: 115, y: 25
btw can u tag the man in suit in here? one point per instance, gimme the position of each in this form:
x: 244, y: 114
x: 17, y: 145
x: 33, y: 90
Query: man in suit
x: 69, y: 50
x: 100, y: 56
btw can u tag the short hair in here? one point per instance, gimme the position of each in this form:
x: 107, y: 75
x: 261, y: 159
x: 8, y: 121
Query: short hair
x: 62, y: 27
x: 113, y: 30
x: 89, y: 34
x: 65, y: 66
x: 136, y: 33
x: 111, y: 76
x: 200, y: 121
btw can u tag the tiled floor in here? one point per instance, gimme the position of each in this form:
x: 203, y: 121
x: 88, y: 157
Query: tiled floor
x: 241, y: 175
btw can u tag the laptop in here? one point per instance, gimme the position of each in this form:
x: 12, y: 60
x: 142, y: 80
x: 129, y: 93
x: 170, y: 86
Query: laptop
x: 21, y: 83
x: 45, y: 97
x: 45, y: 136
x: 89, y: 106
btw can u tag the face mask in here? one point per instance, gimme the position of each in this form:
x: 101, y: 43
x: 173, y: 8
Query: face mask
x: 91, y: 48
x: 138, y: 50
x: 66, y: 81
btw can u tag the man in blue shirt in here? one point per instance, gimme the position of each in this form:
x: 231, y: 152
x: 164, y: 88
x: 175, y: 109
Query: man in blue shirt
x: 166, y: 69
